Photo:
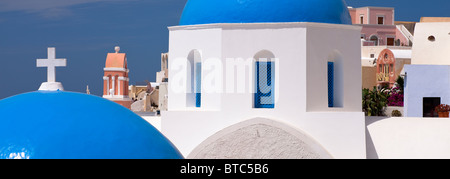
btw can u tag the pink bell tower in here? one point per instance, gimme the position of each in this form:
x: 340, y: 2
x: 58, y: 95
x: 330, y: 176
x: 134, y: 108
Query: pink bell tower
x: 115, y: 80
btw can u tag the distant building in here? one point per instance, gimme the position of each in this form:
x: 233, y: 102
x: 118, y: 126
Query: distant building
x: 427, y: 81
x: 163, y: 79
x: 115, y: 79
x: 390, y: 64
x: 375, y: 76
x: 152, y: 96
x: 163, y: 75
x: 145, y: 96
x: 378, y: 27
x: 381, y: 36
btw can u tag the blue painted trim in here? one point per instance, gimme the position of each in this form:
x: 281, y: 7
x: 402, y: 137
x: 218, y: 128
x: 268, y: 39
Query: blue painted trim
x: 198, y: 100
x: 330, y: 84
x: 198, y: 87
x: 264, y: 97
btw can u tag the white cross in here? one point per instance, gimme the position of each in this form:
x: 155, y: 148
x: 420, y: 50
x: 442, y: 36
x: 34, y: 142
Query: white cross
x: 51, y: 63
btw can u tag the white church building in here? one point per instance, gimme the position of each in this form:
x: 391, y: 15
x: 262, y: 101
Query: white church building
x: 265, y: 79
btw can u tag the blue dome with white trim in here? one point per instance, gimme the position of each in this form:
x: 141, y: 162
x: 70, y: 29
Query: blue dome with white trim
x: 265, y: 11
x: 67, y: 125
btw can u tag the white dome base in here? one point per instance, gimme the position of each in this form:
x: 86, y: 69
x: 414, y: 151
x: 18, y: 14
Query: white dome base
x: 51, y: 86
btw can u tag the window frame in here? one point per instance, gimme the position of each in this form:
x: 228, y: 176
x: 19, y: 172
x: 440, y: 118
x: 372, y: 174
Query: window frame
x: 257, y: 104
x: 378, y: 19
x: 331, y: 81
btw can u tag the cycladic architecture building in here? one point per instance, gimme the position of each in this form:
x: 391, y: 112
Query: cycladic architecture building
x: 115, y: 80
x: 385, y: 45
x: 254, y: 79
x: 428, y: 78
x: 379, y: 28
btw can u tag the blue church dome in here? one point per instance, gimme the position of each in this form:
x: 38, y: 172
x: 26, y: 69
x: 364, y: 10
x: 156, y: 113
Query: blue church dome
x: 265, y: 11
x: 67, y: 125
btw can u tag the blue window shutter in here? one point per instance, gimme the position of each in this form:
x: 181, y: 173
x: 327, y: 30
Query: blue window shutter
x: 265, y: 88
x: 330, y: 84
x: 198, y: 85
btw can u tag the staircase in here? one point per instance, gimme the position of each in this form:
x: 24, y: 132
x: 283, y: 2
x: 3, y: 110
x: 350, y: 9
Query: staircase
x: 406, y: 33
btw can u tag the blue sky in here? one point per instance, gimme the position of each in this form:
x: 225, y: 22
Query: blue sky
x: 84, y: 31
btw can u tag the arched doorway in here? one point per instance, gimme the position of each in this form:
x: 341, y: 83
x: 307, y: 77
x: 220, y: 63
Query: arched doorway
x: 374, y: 39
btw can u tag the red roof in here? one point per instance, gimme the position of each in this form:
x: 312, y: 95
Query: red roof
x: 116, y: 60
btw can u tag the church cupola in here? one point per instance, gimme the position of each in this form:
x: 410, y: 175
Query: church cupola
x: 60, y: 124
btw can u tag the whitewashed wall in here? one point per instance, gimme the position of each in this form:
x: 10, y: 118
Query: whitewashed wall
x: 431, y: 52
x: 408, y: 138
x: 341, y: 46
x: 300, y: 81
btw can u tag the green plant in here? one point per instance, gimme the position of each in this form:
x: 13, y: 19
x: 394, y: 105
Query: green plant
x: 396, y: 113
x: 374, y: 102
x: 400, y: 83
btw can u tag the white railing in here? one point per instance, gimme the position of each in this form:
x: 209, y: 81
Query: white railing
x: 405, y: 32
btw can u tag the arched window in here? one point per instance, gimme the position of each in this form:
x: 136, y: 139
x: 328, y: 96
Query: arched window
x: 112, y: 91
x: 109, y: 85
x: 374, y: 39
x: 194, y: 77
x: 330, y: 84
x: 264, y: 96
x: 335, y: 80
x: 398, y: 42
x: 198, y: 84
x: 117, y: 85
